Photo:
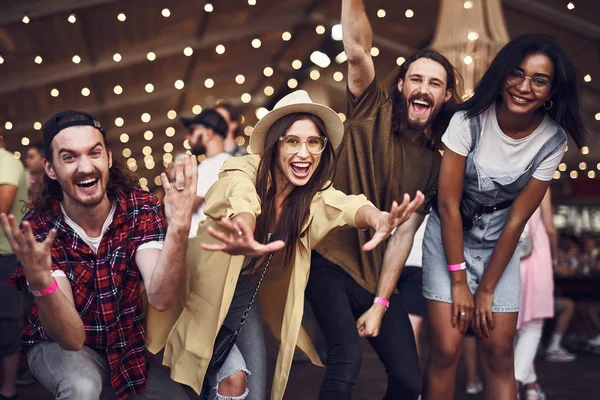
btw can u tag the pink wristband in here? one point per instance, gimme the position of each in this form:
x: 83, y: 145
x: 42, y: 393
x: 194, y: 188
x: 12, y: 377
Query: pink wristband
x: 46, y: 292
x: 381, y: 300
x: 457, y: 267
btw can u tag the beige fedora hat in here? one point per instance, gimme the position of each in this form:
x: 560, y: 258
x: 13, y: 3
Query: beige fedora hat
x: 297, y: 102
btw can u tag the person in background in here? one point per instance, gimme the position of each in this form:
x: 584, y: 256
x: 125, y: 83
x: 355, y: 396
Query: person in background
x: 13, y: 200
x: 537, y: 289
x: 34, y: 164
x: 234, y: 120
x: 207, y: 133
x: 91, y: 248
x: 501, y: 151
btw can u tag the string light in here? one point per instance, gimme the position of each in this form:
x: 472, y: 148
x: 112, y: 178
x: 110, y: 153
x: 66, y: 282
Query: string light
x: 121, y: 17
x: 220, y: 49
x: 248, y: 130
x: 381, y: 13
x: 17, y: 155
x: 574, y: 174
x: 146, y: 117
x: 292, y: 83
x: 170, y: 131
x: 151, y: 56
x: 168, y: 157
x: 8, y: 125
x: 246, y: 98
x: 570, y: 6
x: 597, y: 116
x: 261, y: 112
x: 143, y: 182
x: 336, y: 32
x: 269, y: 90
x: 252, y: 2
x: 468, y: 60
x: 149, y: 88
x: 208, y: 7
x: 1, y: 60
x: 54, y: 93
x: 124, y: 138
x: 296, y: 64
x: 38, y: 60
x: 341, y: 58
x: 585, y: 150
x: 25, y: 19
x: 587, y: 78
x: 37, y: 125
x: 186, y: 144
x: 409, y: 13
x: 157, y: 180
x: 148, y: 135
x: 85, y: 92
x: 166, y: 12
x: 172, y: 114
x: 400, y: 61
x: 556, y: 175
x: 119, y: 121
x: 473, y: 36
x: 314, y: 74
x: 72, y: 18
x: 117, y: 57
x: 240, y: 79
x: 179, y: 84
x: 209, y: 83
x: 338, y: 76
x: 118, y: 90
x: 126, y: 152
x: 562, y: 167
x: 25, y: 141
x: 168, y: 147
x: 320, y: 29
x: 591, y: 174
x: 256, y: 43
x: 320, y: 59
x: 583, y: 165
x: 76, y: 59
x: 342, y: 116
x: 197, y: 109
x: 286, y: 36
x: 188, y: 51
x: 374, y: 51
x: 468, y: 5
x: 268, y: 71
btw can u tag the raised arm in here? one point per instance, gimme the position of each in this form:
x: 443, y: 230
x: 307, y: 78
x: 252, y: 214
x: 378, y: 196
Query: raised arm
x: 57, y: 312
x: 358, y: 40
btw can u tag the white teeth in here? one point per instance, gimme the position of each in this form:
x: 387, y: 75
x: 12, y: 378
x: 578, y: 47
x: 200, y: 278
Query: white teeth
x: 86, y: 181
x: 519, y: 99
x: 301, y: 165
x: 423, y: 102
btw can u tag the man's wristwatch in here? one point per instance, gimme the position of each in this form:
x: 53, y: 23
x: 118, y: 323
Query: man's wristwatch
x: 46, y: 292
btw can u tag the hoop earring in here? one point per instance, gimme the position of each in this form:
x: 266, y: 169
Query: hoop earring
x: 546, y: 106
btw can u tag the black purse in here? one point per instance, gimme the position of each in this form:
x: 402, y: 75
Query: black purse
x: 226, y: 337
x: 470, y: 210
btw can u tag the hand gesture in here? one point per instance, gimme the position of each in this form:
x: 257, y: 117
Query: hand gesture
x: 34, y: 256
x: 180, y: 195
x: 483, y: 320
x: 387, y: 222
x: 462, y: 306
x: 239, y: 240
x: 369, y: 323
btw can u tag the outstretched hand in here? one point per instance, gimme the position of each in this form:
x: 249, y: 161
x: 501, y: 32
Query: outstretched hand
x: 387, y: 222
x: 239, y: 240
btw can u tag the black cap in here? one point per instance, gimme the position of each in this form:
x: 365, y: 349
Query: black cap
x: 208, y: 118
x: 65, y: 119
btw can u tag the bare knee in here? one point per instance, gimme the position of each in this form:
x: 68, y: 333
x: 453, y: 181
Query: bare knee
x: 445, y: 354
x: 233, y: 386
x: 499, y: 357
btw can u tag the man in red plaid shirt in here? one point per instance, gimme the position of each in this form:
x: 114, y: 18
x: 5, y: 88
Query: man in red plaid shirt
x: 90, y: 245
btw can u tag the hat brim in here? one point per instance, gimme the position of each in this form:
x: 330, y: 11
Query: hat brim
x: 334, y: 126
x: 186, y: 121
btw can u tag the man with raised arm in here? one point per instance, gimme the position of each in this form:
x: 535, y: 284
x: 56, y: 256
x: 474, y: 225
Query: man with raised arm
x: 90, y: 245
x: 390, y: 148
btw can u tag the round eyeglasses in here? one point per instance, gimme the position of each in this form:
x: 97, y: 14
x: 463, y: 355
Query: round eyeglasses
x: 292, y: 144
x: 539, y: 85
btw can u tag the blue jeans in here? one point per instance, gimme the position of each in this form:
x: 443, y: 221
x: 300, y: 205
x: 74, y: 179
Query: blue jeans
x: 85, y: 375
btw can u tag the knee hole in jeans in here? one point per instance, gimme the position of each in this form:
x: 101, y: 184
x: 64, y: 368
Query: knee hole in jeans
x: 81, y: 387
x: 232, y: 386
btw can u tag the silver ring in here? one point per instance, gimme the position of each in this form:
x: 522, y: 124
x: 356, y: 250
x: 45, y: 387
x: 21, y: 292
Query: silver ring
x: 463, y: 313
x: 239, y: 233
x: 179, y: 189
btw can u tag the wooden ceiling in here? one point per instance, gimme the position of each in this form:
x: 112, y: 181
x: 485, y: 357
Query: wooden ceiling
x: 26, y: 88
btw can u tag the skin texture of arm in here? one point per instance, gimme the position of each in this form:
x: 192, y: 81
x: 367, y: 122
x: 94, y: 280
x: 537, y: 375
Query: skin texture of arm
x: 358, y: 40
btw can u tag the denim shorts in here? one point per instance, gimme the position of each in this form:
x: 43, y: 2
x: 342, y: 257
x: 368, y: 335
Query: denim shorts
x: 479, y: 244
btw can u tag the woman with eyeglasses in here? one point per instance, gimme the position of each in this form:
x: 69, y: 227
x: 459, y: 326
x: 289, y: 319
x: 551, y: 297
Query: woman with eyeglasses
x: 501, y: 151
x: 277, y: 202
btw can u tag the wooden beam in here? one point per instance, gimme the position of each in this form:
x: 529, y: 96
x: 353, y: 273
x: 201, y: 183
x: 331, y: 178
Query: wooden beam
x: 563, y: 19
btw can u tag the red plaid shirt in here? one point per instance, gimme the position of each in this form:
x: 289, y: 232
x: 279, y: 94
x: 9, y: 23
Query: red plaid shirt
x: 106, y: 285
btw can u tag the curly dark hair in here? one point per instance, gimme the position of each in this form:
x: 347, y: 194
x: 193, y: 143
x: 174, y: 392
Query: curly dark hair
x: 120, y: 179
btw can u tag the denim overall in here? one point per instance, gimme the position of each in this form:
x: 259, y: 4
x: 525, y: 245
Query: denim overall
x: 480, y: 241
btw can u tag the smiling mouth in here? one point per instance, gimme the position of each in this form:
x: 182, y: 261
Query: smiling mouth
x: 87, y: 183
x: 519, y: 99
x: 300, y: 169
x: 420, y: 106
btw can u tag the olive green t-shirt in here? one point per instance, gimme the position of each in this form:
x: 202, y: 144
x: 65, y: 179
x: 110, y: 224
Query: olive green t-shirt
x: 381, y: 165
x: 12, y: 173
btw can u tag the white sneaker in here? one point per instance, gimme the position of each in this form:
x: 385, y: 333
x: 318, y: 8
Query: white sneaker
x: 594, y: 341
x: 474, y: 388
x: 559, y: 355
x: 533, y: 394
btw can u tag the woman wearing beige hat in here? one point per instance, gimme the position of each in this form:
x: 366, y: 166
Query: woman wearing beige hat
x: 281, y: 196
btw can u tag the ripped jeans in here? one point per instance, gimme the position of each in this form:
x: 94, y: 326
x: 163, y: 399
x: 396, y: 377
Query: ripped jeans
x: 249, y: 353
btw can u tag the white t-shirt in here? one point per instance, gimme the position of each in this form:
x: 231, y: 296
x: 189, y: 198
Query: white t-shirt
x: 208, y: 174
x: 500, y: 155
x: 415, y: 258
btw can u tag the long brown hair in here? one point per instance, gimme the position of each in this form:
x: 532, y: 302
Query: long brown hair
x: 296, y: 206
x: 120, y: 180
x: 441, y: 121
